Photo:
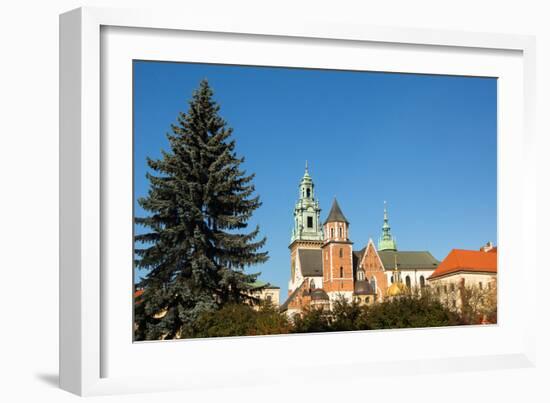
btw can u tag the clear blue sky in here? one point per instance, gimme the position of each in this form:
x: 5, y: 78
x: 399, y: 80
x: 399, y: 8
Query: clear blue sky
x: 426, y: 144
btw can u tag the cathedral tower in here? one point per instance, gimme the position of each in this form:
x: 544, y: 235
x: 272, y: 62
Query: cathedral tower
x: 337, y: 255
x: 307, y: 226
x: 386, y: 241
x: 307, y: 232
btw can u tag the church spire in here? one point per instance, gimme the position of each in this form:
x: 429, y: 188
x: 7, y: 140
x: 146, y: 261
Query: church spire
x: 386, y: 241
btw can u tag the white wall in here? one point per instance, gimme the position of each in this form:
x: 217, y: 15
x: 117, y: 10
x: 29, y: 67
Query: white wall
x: 28, y: 202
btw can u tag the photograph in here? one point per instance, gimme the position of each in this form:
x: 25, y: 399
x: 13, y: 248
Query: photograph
x: 288, y: 200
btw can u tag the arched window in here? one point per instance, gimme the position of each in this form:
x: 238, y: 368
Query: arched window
x: 341, y: 252
x: 408, y: 281
x: 312, y: 284
x: 308, y: 192
x: 360, y: 275
x: 422, y: 282
x: 332, y: 232
x: 341, y: 272
x: 373, y: 284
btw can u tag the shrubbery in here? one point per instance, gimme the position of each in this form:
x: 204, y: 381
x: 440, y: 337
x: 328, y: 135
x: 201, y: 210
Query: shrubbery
x: 405, y: 312
x: 241, y: 320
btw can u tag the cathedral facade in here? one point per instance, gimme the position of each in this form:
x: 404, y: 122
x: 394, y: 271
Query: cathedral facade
x: 324, y: 266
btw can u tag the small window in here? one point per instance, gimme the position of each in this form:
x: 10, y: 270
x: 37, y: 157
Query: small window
x: 341, y: 252
x: 341, y: 272
x: 332, y: 232
x: 488, y: 286
x: 308, y: 192
x: 452, y: 287
x: 422, y: 282
x: 453, y: 303
x: 269, y: 299
x: 310, y: 222
x: 445, y: 288
x: 480, y: 285
x: 408, y: 281
x: 340, y: 232
x: 367, y: 300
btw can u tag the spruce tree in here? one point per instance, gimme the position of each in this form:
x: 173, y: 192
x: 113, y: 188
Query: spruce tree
x: 196, y: 246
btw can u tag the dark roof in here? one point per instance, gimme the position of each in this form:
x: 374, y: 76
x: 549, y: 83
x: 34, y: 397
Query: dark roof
x: 311, y: 262
x: 408, y: 260
x: 357, y: 256
x: 363, y: 287
x: 336, y: 214
x: 319, y: 294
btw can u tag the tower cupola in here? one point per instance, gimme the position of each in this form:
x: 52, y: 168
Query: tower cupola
x: 336, y: 225
x: 307, y: 213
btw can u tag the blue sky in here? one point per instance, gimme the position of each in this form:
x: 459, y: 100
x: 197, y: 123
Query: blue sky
x: 426, y: 144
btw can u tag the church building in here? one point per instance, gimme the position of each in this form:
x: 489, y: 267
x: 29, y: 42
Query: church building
x: 324, y: 266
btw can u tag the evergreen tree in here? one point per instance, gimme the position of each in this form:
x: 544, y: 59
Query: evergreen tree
x: 196, y: 247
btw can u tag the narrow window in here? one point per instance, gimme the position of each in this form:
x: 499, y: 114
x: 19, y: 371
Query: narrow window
x: 408, y: 281
x: 422, y: 281
x: 310, y: 222
x: 480, y: 285
x: 341, y: 252
x: 373, y: 284
x: 308, y: 192
x: 341, y: 272
x: 452, y: 287
x: 445, y: 288
x: 332, y: 232
x: 340, y: 232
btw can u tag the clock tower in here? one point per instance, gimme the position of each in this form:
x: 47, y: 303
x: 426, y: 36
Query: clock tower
x: 307, y: 232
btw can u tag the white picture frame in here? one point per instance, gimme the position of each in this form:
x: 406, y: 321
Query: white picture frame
x: 90, y: 341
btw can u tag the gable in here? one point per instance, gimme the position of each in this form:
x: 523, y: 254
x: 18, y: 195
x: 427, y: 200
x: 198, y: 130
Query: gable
x: 371, y: 260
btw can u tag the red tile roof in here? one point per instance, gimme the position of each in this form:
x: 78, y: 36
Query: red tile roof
x: 138, y: 293
x: 467, y: 260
